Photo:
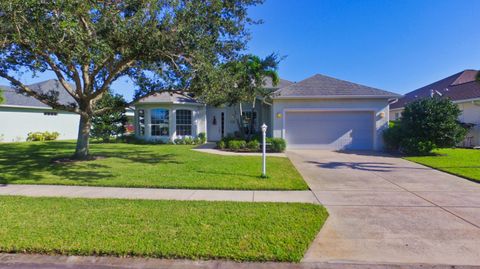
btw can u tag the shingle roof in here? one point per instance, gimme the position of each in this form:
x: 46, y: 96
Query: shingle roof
x: 460, y: 86
x: 320, y: 85
x: 14, y: 98
x: 166, y: 97
x: 267, y: 83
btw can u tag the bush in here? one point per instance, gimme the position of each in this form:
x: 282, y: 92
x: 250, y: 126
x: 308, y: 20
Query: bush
x: 253, y: 145
x: 425, y: 125
x: 202, y: 138
x: 414, y: 147
x: 236, y: 144
x: 277, y: 144
x: 45, y: 136
x: 221, y: 144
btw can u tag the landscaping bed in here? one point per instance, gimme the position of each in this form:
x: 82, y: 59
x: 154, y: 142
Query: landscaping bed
x: 461, y: 162
x: 152, y: 166
x: 160, y: 229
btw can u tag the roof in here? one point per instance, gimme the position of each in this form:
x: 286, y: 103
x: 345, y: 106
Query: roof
x: 167, y: 97
x: 14, y: 98
x: 323, y: 86
x: 267, y: 83
x: 457, y: 87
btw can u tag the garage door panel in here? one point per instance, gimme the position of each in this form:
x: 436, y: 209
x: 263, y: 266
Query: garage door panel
x: 329, y: 130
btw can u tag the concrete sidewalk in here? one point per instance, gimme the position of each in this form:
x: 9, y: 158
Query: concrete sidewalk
x: 27, y: 261
x: 158, y: 194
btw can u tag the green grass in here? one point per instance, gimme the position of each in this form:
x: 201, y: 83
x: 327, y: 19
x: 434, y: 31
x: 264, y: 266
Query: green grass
x: 152, y: 166
x: 461, y: 162
x: 161, y: 229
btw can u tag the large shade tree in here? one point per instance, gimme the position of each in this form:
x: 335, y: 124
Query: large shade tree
x: 161, y: 44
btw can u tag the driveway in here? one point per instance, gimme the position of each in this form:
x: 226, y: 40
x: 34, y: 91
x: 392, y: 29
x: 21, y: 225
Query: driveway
x: 388, y: 210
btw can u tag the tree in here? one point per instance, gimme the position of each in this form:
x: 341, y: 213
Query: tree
x: 426, y: 124
x: 249, y: 74
x: 2, y: 98
x: 112, y: 122
x: 174, y: 45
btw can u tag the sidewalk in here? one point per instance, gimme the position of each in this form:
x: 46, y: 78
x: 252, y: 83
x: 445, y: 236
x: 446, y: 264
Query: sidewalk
x: 158, y: 194
x: 27, y: 261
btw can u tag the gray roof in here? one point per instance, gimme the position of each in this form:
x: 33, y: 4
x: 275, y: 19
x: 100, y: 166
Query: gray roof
x: 167, y: 97
x: 267, y: 83
x: 14, y: 98
x: 323, y: 86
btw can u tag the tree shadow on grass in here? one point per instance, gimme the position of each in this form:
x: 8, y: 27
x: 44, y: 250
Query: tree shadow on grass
x: 33, y: 162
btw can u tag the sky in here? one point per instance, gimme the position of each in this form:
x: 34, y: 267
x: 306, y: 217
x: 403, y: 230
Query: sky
x: 395, y: 45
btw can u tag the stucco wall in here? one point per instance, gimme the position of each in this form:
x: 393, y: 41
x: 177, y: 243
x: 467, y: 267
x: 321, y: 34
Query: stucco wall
x: 16, y: 123
x: 471, y: 114
x: 198, y: 120
x: 376, y: 105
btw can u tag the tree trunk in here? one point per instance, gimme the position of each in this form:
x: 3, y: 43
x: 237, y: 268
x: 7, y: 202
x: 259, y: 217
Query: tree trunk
x: 82, y: 149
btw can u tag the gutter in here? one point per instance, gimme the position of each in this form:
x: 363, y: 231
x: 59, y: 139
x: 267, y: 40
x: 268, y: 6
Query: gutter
x: 338, y: 97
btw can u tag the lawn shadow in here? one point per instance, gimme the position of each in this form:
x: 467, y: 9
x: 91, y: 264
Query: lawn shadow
x: 33, y: 161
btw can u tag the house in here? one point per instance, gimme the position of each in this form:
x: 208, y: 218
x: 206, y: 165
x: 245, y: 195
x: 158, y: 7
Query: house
x: 463, y: 89
x: 318, y: 112
x: 21, y: 114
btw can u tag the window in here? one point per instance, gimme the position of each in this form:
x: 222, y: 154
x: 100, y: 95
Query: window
x: 184, y: 122
x: 249, y: 118
x: 397, y: 115
x: 141, y: 121
x: 159, y: 121
x: 50, y: 113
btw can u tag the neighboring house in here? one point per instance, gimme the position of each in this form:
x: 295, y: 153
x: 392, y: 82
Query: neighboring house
x: 318, y: 112
x: 21, y: 114
x: 463, y: 89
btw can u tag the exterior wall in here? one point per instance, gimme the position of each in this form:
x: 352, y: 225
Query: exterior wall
x: 395, y: 114
x: 16, y: 123
x: 377, y: 106
x: 471, y: 114
x: 198, y: 120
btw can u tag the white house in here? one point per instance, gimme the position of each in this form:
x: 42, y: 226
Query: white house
x: 21, y: 114
x: 463, y: 89
x: 318, y: 112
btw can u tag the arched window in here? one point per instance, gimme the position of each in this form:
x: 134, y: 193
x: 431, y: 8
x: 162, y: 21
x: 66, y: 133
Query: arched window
x: 184, y: 122
x: 159, y: 121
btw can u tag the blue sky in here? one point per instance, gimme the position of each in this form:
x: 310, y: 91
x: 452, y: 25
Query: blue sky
x: 396, y: 45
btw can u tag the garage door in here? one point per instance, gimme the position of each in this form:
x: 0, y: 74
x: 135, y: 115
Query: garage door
x: 352, y: 130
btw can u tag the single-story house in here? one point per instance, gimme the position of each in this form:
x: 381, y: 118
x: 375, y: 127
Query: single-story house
x: 318, y: 112
x: 21, y: 114
x: 463, y: 89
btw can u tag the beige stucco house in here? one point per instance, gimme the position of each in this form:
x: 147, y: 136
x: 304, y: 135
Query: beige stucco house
x: 318, y: 112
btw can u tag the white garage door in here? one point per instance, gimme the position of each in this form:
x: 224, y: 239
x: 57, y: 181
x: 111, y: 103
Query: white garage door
x: 352, y: 130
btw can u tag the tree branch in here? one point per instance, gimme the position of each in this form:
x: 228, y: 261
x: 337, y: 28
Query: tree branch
x: 113, y: 73
x: 39, y: 96
x: 60, y: 76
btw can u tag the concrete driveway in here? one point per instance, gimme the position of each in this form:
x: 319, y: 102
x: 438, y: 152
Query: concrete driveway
x: 388, y: 210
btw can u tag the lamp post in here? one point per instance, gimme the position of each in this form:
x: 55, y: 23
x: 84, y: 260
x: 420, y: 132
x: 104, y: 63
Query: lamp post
x: 264, y: 149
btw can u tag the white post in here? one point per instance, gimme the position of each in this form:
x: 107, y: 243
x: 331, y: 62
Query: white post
x: 264, y: 149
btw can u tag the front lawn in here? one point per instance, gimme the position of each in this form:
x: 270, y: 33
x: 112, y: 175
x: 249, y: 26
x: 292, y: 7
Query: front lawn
x: 461, y: 162
x: 161, y: 229
x: 156, y: 166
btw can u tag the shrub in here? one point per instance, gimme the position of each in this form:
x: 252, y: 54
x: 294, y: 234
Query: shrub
x: 413, y: 146
x: 221, y: 144
x: 425, y: 125
x: 45, y: 136
x: 277, y: 144
x: 253, y: 145
x: 202, y: 138
x: 236, y: 144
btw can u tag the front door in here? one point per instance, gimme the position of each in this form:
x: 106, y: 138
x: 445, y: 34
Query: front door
x: 215, y: 123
